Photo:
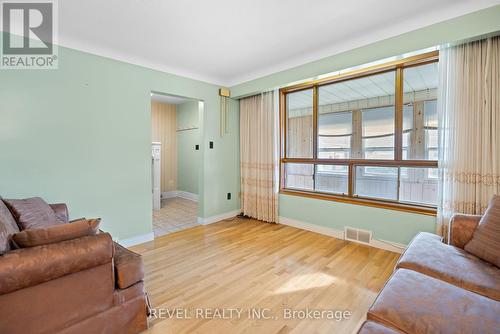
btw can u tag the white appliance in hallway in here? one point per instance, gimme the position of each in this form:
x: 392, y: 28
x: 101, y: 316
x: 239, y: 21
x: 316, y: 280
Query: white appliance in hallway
x: 156, y: 174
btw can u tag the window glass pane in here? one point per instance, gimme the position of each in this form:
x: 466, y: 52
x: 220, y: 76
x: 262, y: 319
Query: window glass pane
x: 331, y: 179
x: 407, y: 129
x: 418, y: 185
x: 376, y: 182
x: 299, y: 176
x: 356, y: 120
x: 334, y: 131
x: 299, y: 111
x: 378, y: 133
x: 431, y: 132
x: 420, y: 112
x: 352, y: 109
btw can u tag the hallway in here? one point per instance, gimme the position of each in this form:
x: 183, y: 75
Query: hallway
x: 176, y: 214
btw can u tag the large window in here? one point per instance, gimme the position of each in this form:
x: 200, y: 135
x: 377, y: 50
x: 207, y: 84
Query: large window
x: 368, y: 136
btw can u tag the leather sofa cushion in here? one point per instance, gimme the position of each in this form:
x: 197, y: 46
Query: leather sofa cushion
x: 371, y: 327
x: 129, y: 268
x: 26, y: 267
x: 415, y: 303
x: 61, y: 211
x: 32, y: 213
x: 485, y: 242
x: 428, y: 255
x: 8, y: 227
x: 462, y: 228
x: 56, y: 233
x: 53, y: 305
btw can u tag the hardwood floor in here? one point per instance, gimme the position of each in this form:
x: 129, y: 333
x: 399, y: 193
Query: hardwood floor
x: 245, y: 264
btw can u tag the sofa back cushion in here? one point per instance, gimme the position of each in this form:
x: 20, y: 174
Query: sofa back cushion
x: 56, y: 233
x: 8, y: 227
x: 485, y: 242
x: 32, y: 213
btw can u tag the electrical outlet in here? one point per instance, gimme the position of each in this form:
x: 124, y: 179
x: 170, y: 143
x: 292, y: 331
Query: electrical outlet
x: 197, y: 147
x: 228, y: 196
x: 211, y: 144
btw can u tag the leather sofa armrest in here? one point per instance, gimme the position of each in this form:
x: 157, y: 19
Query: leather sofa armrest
x: 462, y: 228
x: 61, y: 211
x: 129, y: 268
x: 25, y: 267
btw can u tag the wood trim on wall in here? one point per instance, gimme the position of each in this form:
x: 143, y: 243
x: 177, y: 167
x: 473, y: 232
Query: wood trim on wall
x: 364, y: 162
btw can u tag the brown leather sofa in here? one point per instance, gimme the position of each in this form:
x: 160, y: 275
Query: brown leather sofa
x: 83, y: 285
x: 439, y: 288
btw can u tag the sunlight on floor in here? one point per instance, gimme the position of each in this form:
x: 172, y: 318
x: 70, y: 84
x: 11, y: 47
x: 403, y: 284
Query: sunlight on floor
x: 305, y: 282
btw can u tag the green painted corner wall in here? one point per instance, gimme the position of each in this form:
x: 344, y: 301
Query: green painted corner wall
x: 188, y: 136
x: 388, y: 225
x: 81, y: 134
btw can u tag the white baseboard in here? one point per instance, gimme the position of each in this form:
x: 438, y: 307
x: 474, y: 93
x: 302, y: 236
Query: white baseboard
x: 169, y: 194
x: 388, y: 245
x: 218, y: 218
x: 331, y: 232
x: 180, y: 193
x: 139, y: 239
x: 187, y: 195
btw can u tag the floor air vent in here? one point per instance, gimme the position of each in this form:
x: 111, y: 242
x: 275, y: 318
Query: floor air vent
x: 357, y: 235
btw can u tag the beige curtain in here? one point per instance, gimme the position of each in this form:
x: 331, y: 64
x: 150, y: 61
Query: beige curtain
x: 469, y: 121
x: 259, y: 157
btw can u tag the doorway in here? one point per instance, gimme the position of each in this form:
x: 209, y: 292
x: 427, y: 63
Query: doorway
x: 175, y: 162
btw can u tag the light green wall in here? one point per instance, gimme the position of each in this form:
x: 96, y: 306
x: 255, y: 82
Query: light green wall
x: 464, y: 27
x: 82, y: 135
x: 188, y: 159
x: 387, y: 225
x: 187, y: 115
x: 227, y: 166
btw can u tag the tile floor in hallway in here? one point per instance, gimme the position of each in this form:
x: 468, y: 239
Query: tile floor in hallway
x: 175, y: 214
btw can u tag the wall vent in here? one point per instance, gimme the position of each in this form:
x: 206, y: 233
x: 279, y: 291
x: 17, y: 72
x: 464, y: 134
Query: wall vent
x: 357, y: 235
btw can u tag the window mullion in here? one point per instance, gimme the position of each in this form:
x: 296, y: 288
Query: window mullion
x: 314, y: 177
x: 284, y: 125
x: 398, y: 185
x: 315, y: 122
x: 398, y: 119
x: 350, y: 180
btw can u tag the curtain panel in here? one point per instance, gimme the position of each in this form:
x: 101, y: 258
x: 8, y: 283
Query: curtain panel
x: 469, y: 120
x: 259, y: 157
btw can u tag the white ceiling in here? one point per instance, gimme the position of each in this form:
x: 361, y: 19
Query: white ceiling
x: 231, y: 41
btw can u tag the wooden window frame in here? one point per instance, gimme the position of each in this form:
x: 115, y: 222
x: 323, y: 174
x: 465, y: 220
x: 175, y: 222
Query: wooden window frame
x: 398, y: 66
